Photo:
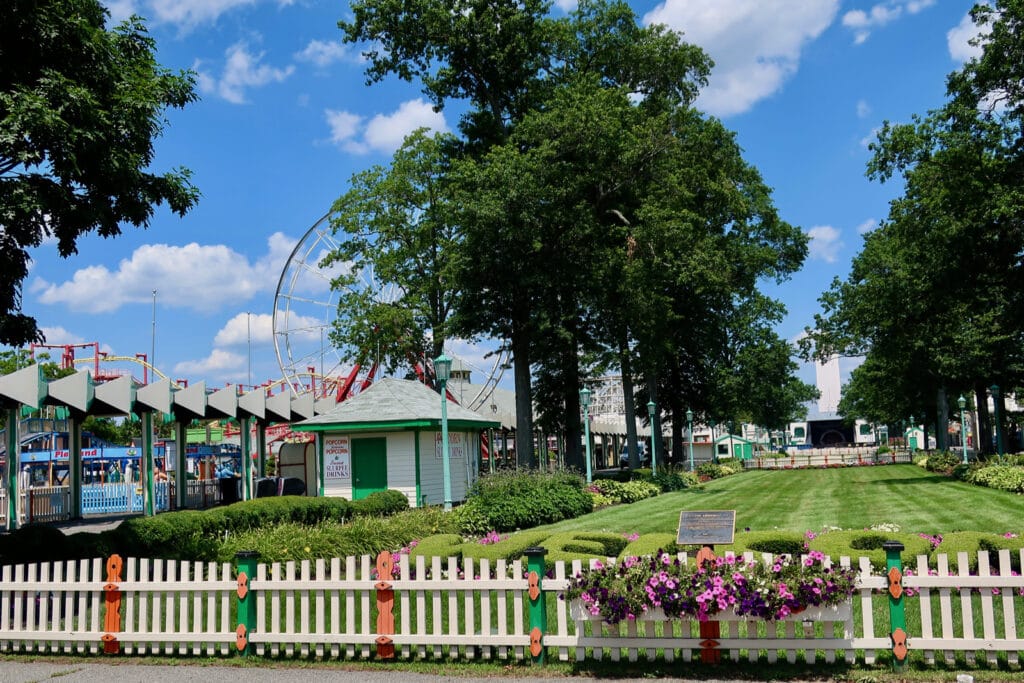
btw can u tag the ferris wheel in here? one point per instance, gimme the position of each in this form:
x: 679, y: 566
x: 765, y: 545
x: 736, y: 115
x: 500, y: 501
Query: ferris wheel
x: 305, y: 308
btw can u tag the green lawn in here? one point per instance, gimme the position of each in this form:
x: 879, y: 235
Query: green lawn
x: 800, y: 500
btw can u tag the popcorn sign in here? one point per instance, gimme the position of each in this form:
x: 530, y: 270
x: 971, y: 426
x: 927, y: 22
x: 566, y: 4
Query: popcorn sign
x: 337, y: 457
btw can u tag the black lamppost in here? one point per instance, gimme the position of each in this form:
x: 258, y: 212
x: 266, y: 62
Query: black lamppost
x: 962, y: 402
x: 651, y: 410
x: 689, y: 422
x: 999, y: 422
x: 585, y: 402
x: 443, y: 369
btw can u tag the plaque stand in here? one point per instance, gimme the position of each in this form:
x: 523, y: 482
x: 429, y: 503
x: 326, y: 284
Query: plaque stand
x: 710, y: 631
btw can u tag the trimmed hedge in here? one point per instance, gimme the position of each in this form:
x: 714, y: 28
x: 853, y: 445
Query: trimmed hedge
x: 583, y: 545
x: 441, y: 545
x: 650, y: 544
x: 511, y: 549
x: 868, y: 544
x: 772, y: 541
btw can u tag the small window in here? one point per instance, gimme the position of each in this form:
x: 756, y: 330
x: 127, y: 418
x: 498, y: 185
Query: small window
x: 865, y: 429
x: 723, y: 449
x: 799, y: 432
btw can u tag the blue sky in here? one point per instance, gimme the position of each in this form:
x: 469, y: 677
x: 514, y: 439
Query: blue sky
x: 285, y: 119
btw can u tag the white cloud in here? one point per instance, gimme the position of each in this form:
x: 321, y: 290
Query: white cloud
x: 863, y: 22
x: 870, y: 137
x: 58, y: 335
x: 218, y: 363
x: 245, y: 327
x: 384, y: 132
x: 825, y: 243
x: 863, y: 109
x: 242, y: 70
x: 204, y: 278
x: 566, y: 5
x: 323, y: 53
x: 120, y: 10
x: 867, y: 226
x: 755, y: 44
x: 958, y: 39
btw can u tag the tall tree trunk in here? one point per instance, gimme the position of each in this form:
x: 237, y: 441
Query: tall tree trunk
x: 628, y: 405
x: 984, y: 445
x: 942, y: 420
x: 525, y: 456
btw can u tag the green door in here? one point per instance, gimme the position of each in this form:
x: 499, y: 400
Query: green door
x: 369, y: 466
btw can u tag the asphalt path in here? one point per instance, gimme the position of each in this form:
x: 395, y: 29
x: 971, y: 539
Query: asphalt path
x: 89, y: 672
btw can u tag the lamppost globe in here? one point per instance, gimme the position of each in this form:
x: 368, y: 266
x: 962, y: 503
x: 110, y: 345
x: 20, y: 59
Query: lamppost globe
x: 443, y: 371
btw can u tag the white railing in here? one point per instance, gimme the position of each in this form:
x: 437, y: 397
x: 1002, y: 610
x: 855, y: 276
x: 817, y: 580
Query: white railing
x: 440, y: 607
x: 827, y: 457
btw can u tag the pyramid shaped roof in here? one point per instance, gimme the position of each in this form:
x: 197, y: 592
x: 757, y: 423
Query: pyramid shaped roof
x: 394, y: 404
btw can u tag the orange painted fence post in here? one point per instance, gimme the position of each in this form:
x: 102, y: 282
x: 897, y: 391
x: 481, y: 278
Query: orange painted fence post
x: 385, y: 606
x: 112, y: 599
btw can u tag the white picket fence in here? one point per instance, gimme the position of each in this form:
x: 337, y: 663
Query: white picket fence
x: 826, y: 457
x: 329, y: 609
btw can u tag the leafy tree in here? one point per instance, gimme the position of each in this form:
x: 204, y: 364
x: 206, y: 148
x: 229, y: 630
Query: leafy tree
x: 398, y: 230
x: 936, y: 298
x: 80, y: 106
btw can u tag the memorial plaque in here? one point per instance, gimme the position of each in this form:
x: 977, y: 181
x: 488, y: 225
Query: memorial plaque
x: 706, y: 527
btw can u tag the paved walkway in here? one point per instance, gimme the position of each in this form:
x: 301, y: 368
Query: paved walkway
x: 89, y: 672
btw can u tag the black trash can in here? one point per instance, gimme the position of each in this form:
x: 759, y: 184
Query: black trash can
x: 229, y: 490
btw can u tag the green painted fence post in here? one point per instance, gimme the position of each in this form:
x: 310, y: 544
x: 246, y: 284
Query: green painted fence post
x: 538, y: 602
x: 246, y: 561
x: 897, y: 609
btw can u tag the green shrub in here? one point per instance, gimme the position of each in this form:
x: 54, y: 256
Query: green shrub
x: 582, y: 545
x: 509, y: 549
x: 439, y: 545
x: 522, y: 499
x: 711, y: 470
x: 381, y: 504
x: 649, y: 545
x: 674, y: 478
x: 941, y: 461
x: 772, y: 541
x: 958, y: 542
x: 33, y: 543
x: 855, y: 544
x: 624, y: 492
x: 1000, y: 477
x: 996, y: 542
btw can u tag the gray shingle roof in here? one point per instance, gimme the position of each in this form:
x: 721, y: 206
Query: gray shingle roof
x: 395, y: 400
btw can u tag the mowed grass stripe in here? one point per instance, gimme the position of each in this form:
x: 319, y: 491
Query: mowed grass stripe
x: 801, y: 500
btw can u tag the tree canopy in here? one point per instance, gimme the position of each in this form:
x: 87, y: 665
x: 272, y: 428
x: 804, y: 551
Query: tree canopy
x: 595, y: 218
x: 935, y: 300
x: 80, y: 106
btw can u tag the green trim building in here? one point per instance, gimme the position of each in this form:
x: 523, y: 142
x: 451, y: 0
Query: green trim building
x: 389, y: 437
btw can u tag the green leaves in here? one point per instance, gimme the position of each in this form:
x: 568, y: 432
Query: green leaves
x: 80, y: 107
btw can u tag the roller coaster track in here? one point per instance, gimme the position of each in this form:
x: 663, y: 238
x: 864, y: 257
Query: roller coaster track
x: 130, y: 359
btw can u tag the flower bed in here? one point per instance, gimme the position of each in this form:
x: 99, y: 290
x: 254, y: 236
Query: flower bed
x: 746, y: 589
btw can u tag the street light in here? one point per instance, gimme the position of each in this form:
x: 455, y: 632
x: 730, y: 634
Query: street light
x: 999, y: 422
x: 443, y: 369
x: 689, y: 423
x: 962, y: 402
x: 714, y: 446
x: 585, y: 402
x: 651, y: 408
x: 911, y: 439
